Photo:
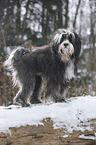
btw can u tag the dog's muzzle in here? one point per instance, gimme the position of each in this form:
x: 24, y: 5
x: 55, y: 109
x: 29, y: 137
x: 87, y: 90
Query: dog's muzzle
x: 66, y: 50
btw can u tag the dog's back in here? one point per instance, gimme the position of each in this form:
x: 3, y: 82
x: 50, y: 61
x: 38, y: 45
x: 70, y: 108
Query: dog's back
x: 15, y: 56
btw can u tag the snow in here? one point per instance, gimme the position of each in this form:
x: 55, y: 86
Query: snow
x: 65, y: 136
x: 74, y: 114
x: 87, y: 137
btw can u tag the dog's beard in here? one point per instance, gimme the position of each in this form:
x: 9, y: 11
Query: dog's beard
x: 66, y: 50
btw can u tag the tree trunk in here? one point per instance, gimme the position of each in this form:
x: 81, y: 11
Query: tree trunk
x: 92, y: 25
x: 43, y: 15
x: 74, y: 22
x: 66, y: 14
x: 18, y: 15
x: 60, y: 19
x: 25, y: 16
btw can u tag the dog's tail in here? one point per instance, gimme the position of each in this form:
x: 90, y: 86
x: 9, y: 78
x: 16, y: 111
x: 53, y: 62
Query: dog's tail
x: 12, y: 61
x: 14, y: 57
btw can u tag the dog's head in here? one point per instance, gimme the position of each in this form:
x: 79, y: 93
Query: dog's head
x: 69, y: 44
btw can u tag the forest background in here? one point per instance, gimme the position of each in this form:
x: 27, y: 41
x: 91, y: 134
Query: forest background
x: 32, y: 22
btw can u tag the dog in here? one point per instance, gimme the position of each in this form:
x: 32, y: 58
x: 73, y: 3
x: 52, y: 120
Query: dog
x: 55, y: 62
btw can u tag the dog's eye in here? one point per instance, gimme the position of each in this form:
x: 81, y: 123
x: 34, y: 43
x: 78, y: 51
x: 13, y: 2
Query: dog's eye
x: 63, y: 37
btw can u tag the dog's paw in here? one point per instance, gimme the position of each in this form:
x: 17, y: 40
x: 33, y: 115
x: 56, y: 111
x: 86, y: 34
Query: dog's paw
x: 35, y: 101
x: 20, y: 103
x: 59, y: 99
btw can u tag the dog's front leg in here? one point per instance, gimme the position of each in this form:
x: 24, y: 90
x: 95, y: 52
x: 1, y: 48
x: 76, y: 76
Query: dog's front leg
x: 57, y: 95
x: 64, y: 93
x: 60, y: 94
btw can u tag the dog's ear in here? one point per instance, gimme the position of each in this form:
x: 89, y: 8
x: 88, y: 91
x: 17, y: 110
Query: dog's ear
x: 78, y: 39
x: 77, y: 45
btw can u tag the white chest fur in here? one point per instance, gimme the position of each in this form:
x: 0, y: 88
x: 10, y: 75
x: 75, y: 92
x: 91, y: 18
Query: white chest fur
x: 69, y: 73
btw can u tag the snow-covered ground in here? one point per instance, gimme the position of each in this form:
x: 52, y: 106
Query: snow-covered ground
x: 74, y: 114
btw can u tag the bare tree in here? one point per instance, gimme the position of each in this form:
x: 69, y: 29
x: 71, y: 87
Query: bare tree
x: 66, y: 13
x: 77, y: 9
x: 60, y: 19
x: 92, y: 5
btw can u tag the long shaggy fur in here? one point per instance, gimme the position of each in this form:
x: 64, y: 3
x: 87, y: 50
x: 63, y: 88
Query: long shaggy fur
x: 55, y: 62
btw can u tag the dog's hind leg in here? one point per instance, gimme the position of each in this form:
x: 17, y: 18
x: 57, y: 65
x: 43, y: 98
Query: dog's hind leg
x: 23, y: 94
x: 35, y: 95
x: 21, y: 97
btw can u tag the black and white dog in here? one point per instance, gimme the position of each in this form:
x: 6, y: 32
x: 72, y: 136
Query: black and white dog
x: 55, y: 62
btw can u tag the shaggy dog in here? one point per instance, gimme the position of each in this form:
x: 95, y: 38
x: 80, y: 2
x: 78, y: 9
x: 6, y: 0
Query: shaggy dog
x: 55, y: 62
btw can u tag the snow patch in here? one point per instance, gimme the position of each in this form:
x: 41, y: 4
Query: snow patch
x: 65, y: 136
x: 87, y: 137
x: 72, y: 115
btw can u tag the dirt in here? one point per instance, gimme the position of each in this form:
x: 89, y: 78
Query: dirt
x: 45, y: 135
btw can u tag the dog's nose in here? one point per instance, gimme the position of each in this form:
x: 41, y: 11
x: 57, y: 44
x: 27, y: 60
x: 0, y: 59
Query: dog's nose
x: 66, y: 44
